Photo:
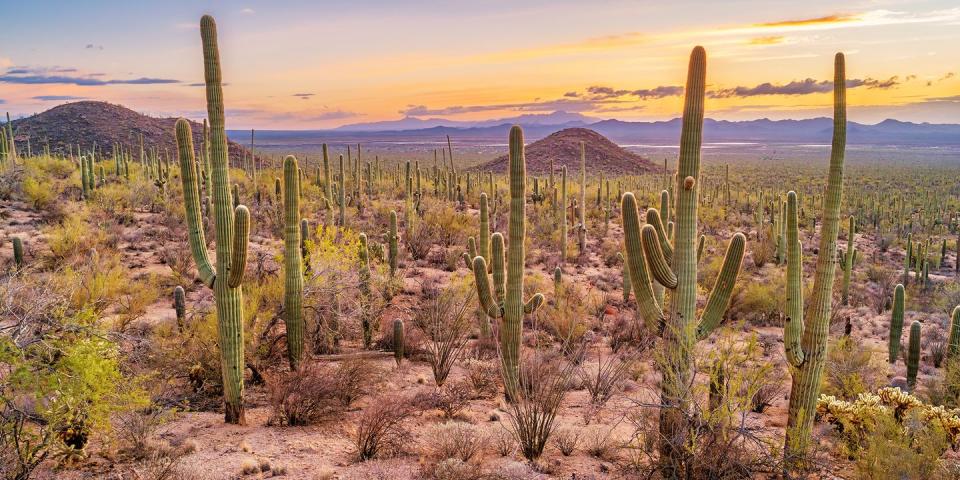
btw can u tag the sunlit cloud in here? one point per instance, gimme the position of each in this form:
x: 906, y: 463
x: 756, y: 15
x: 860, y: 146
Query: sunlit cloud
x: 56, y: 98
x: 800, y: 87
x: 809, y: 21
x: 768, y: 40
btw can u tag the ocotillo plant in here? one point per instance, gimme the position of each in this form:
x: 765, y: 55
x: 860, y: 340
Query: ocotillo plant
x: 508, y: 303
x: 292, y: 263
x: 896, y: 324
x: 232, y: 228
x: 674, y: 265
x: 848, y: 258
x: 913, y: 355
x: 180, y: 306
x: 808, y: 359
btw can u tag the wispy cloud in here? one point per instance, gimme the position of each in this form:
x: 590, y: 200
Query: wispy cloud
x: 304, y: 96
x: 56, y: 98
x: 248, y: 11
x: 55, y: 75
x: 767, y: 40
x: 838, y: 18
x: 800, y: 87
x: 599, y: 93
x: 91, y: 46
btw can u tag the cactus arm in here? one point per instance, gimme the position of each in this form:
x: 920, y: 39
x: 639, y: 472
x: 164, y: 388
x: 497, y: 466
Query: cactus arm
x: 639, y: 277
x: 719, y: 298
x: 533, y: 304
x: 653, y: 219
x: 487, y: 303
x: 700, y: 243
x: 241, y: 235
x: 498, y: 267
x: 659, y: 267
x: 191, y: 201
x: 793, y: 326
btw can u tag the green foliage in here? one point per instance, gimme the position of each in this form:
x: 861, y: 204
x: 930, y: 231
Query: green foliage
x: 851, y: 370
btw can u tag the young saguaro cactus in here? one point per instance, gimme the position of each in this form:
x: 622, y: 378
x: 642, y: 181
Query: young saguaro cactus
x: 292, y: 263
x: 363, y: 257
x: 180, y: 306
x: 582, y: 224
x: 392, y: 240
x: 674, y: 265
x: 507, y: 302
x: 953, y: 342
x: 913, y: 355
x: 848, y: 258
x: 809, y: 357
x: 896, y: 324
x: 398, y: 341
x: 18, y: 253
x: 232, y: 226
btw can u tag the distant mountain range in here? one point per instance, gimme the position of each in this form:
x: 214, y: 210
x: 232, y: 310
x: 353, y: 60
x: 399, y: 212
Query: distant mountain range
x: 814, y: 130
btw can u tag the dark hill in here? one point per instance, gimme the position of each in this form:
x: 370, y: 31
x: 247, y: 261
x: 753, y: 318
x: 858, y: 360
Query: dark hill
x: 106, y: 124
x: 563, y: 147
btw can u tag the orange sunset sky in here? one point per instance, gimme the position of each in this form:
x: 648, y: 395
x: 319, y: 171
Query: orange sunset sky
x: 310, y: 65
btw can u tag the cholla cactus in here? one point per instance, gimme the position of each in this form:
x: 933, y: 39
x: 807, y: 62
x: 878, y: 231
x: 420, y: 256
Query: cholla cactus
x: 674, y: 265
x: 506, y: 302
x: 232, y: 229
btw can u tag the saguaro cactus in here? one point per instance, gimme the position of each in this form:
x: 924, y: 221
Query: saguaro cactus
x: 913, y: 355
x: 18, y: 253
x: 508, y: 302
x: 582, y: 224
x: 848, y: 258
x: 896, y: 325
x: 674, y: 265
x: 363, y: 257
x: 180, y: 305
x: 398, y: 341
x: 953, y: 342
x: 392, y: 241
x: 563, y: 215
x: 232, y: 227
x: 808, y: 358
x: 292, y: 263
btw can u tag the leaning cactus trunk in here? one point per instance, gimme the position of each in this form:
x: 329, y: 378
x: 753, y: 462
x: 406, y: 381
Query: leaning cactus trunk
x: 506, y: 301
x: 673, y: 264
x: 292, y: 263
x: 232, y: 226
x: 810, y: 351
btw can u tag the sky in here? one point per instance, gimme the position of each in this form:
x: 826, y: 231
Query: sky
x: 320, y: 64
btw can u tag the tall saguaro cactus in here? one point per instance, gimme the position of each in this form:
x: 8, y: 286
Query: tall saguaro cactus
x: 807, y: 357
x: 582, y: 224
x: 913, y: 355
x: 232, y: 226
x: 292, y: 263
x: 849, y: 257
x: 507, y: 303
x: 674, y: 265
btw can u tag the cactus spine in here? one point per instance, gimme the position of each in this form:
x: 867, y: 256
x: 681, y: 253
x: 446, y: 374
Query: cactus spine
x: 848, y: 258
x: 232, y: 229
x: 674, y: 265
x: 508, y: 303
x: 292, y: 263
x: 913, y: 355
x: 813, y: 343
x: 896, y: 324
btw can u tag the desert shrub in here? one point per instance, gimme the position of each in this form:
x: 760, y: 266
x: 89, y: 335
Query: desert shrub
x: 484, y: 377
x: 354, y: 378
x: 304, y: 396
x: 450, y: 399
x: 60, y: 391
x: 604, y: 380
x: 461, y: 441
x: 136, y: 429
x: 881, y: 296
x: 851, y: 370
x: 564, y: 317
x: 944, y: 389
x: 419, y: 238
x: 72, y: 239
x: 445, y: 324
x: 536, y: 400
x: 758, y: 302
x: 38, y: 193
x: 381, y: 428
x: 449, y: 226
x: 762, y: 251
x: 566, y: 440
